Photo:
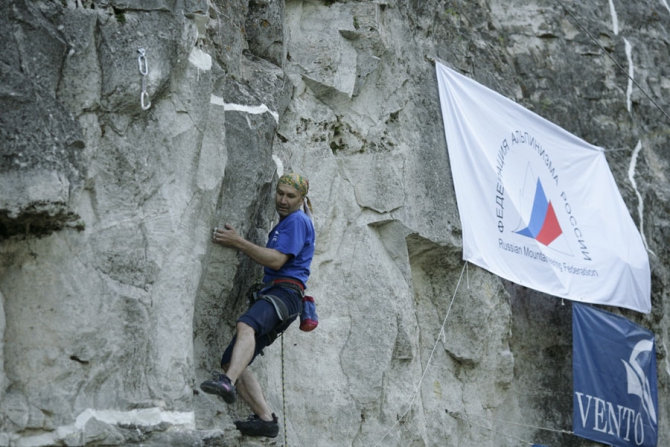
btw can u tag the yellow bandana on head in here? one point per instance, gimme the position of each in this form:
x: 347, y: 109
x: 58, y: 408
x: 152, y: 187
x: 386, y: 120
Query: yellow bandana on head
x: 297, y: 181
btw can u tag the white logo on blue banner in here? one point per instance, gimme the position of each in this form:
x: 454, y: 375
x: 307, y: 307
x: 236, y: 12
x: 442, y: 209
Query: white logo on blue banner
x: 614, y: 378
x: 539, y: 206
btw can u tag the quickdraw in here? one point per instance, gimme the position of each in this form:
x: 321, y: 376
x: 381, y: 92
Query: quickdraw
x: 144, y: 71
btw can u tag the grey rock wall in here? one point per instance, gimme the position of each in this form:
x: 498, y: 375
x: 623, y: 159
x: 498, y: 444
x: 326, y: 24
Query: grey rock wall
x: 114, y: 305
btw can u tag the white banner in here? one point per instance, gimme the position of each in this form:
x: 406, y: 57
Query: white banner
x: 538, y: 205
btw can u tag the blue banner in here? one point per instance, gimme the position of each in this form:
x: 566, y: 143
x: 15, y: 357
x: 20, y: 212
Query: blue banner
x: 614, y: 372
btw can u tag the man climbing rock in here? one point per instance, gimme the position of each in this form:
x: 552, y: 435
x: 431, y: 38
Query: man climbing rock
x: 286, y: 260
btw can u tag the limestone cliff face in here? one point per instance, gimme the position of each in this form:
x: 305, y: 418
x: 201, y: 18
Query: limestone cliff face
x: 114, y: 304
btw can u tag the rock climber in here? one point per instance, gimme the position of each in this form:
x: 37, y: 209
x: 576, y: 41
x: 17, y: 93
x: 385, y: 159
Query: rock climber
x: 286, y: 259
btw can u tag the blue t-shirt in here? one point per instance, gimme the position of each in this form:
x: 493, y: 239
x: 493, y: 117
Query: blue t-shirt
x: 294, y: 236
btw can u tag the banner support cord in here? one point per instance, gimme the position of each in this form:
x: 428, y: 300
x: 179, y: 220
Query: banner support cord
x: 437, y: 340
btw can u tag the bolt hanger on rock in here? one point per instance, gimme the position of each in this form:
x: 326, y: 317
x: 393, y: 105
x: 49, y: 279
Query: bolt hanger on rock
x: 144, y: 70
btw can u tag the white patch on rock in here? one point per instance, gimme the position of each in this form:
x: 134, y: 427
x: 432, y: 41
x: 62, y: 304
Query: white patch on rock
x: 640, y: 202
x: 217, y: 101
x: 631, y: 72
x: 615, y: 19
x: 200, y: 59
x: 280, y: 165
x: 144, y: 417
x: 253, y: 110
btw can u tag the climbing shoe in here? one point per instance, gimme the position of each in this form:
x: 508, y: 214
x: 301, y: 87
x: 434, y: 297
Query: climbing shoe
x: 255, y: 426
x: 220, y: 385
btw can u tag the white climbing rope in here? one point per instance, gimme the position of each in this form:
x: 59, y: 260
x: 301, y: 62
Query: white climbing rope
x: 283, y: 392
x: 437, y: 340
x: 144, y: 71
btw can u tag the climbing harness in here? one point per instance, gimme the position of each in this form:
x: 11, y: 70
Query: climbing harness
x: 144, y: 71
x: 309, y: 319
x: 257, y: 292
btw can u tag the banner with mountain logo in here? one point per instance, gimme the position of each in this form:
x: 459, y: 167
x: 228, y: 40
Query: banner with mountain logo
x: 538, y: 205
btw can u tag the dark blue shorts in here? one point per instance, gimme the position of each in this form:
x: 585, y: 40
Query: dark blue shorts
x: 263, y: 318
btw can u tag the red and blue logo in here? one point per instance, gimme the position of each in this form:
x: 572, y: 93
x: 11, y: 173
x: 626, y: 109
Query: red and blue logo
x: 543, y: 225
